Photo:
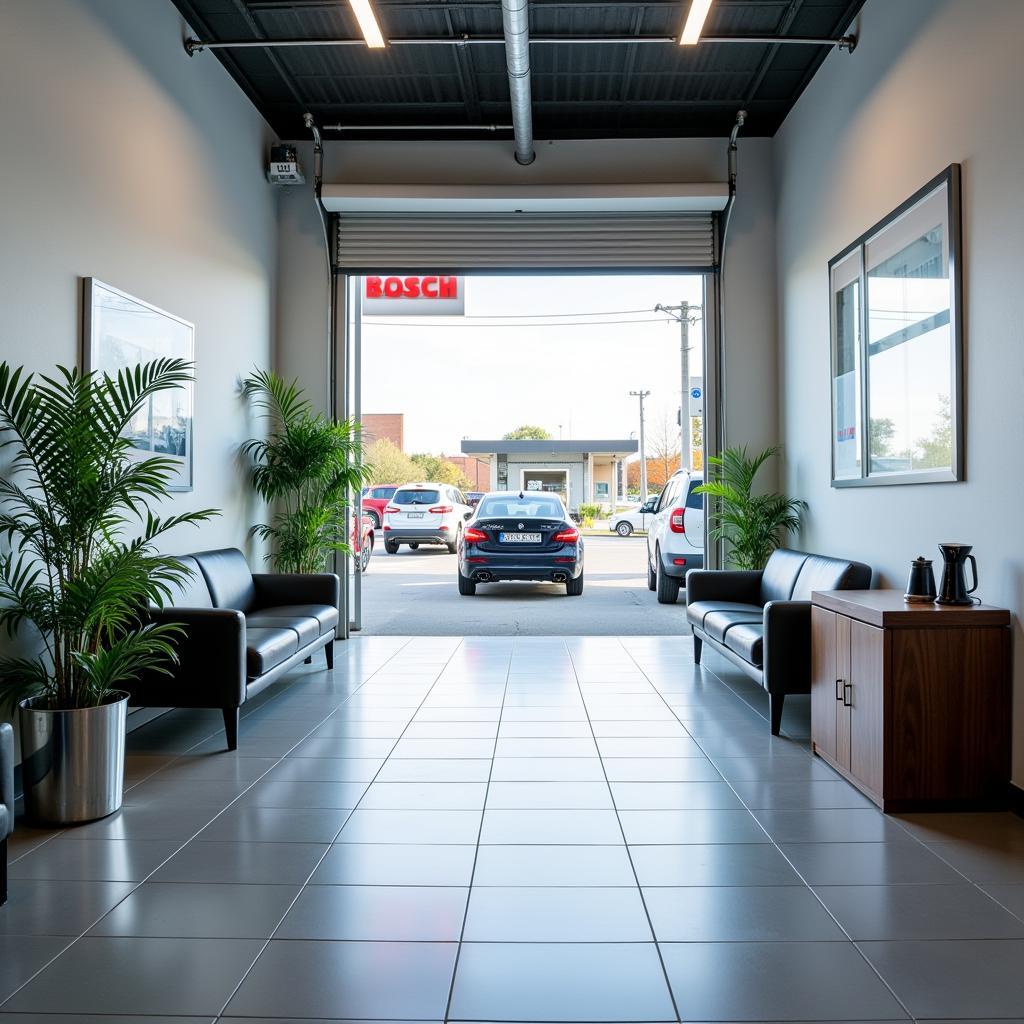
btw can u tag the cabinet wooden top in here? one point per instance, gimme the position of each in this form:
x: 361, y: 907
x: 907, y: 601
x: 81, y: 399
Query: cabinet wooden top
x: 886, y: 608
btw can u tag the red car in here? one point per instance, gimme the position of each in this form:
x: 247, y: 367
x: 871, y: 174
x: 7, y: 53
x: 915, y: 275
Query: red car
x: 362, y: 545
x: 375, y: 498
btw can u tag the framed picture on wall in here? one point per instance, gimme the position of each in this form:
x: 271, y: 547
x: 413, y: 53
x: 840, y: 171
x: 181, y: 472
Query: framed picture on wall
x: 121, y: 331
x: 897, y: 345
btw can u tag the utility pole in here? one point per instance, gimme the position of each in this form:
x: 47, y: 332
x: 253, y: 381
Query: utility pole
x: 682, y: 314
x: 643, y: 453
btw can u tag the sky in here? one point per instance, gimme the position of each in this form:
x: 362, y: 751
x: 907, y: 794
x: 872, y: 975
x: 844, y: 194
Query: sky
x: 534, y: 350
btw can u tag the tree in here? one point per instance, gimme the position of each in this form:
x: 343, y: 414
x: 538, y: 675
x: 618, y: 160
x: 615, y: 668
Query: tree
x: 439, y: 469
x: 388, y: 464
x: 527, y: 432
x: 936, y: 451
x: 662, y: 450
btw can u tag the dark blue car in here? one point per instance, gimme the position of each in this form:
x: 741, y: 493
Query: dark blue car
x: 521, y: 535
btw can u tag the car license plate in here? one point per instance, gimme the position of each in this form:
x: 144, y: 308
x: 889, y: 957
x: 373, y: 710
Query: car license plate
x: 519, y: 538
x: 414, y: 515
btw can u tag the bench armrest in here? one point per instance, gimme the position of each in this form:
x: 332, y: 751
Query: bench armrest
x: 7, y: 773
x: 741, y: 585
x: 296, y: 588
x: 787, y: 646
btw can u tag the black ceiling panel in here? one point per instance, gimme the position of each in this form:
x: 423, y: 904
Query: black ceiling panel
x: 580, y: 90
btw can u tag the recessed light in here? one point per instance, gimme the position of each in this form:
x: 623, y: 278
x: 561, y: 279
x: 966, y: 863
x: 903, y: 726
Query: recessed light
x: 368, y: 23
x: 694, y: 22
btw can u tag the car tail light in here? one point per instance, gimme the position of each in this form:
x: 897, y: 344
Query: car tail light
x: 474, y: 536
x: 566, y: 561
x: 441, y: 510
x: 477, y: 561
x: 675, y: 521
x: 391, y: 508
x: 679, y: 561
x: 569, y: 536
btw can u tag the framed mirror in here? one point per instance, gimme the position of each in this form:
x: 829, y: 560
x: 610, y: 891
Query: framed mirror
x: 897, y: 345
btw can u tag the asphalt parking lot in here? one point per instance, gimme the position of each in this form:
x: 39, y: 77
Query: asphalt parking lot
x: 414, y: 593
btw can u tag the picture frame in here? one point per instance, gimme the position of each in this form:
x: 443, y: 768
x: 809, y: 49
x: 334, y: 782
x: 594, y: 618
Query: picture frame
x: 896, y: 345
x: 120, y: 330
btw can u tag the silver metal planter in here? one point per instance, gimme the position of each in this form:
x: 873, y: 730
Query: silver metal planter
x: 72, y: 761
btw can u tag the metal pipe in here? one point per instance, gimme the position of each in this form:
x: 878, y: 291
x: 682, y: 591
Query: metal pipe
x: 418, y: 127
x: 515, y: 21
x: 193, y: 46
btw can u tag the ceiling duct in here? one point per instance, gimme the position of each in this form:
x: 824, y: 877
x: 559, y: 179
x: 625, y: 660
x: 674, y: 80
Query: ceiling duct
x: 515, y: 20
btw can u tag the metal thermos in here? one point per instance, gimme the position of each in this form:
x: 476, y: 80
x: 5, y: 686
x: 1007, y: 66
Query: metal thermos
x: 921, y: 584
x: 953, y: 588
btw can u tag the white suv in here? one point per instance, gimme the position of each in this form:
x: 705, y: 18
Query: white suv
x: 426, y: 513
x: 675, y: 536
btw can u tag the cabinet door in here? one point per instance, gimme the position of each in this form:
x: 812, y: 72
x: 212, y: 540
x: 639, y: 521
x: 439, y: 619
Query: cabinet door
x: 867, y: 674
x: 844, y: 703
x: 824, y: 680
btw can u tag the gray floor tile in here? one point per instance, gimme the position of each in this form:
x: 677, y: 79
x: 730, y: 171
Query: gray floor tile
x: 139, y: 976
x: 446, y: 827
x: 869, y: 864
x: 797, y: 796
x: 451, y: 730
x: 440, y: 770
x: 959, y: 979
x: 722, y: 864
x: 275, y: 825
x: 326, y: 769
x: 547, y: 769
x: 660, y: 769
x: 332, y: 746
x: 219, y: 767
x: 396, y: 913
x: 146, y: 821
x: 973, y: 826
x: 524, y: 795
x: 22, y: 955
x: 1009, y: 896
x: 776, y: 981
x: 245, y: 862
x: 560, y: 982
x: 248, y: 746
x: 556, y: 915
x: 661, y: 727
x: 110, y: 860
x: 739, y: 914
x: 357, y: 980
x: 441, y: 796
x: 553, y: 866
x: 637, y: 796
x: 566, y: 730
x: 559, y: 827
x: 273, y: 792
x: 53, y: 907
x: 427, y: 749
x: 174, y: 792
x: 346, y: 728
x: 396, y: 864
x: 207, y: 910
x: 624, y: 746
x: 774, y: 769
x: 545, y: 746
x: 993, y: 861
x: 701, y: 826
x: 825, y: 825
x: 919, y: 912
x: 96, y: 1018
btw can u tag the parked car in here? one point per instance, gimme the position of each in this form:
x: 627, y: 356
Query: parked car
x: 375, y: 499
x: 425, y: 513
x: 675, y: 536
x: 362, y: 543
x: 473, y: 497
x: 625, y: 522
x: 521, y: 535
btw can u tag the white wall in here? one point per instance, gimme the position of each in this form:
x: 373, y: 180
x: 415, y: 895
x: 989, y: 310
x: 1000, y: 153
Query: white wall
x: 932, y: 82
x: 124, y: 159
x: 750, y: 276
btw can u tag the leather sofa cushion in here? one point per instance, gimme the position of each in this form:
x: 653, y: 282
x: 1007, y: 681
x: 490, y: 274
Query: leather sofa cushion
x: 747, y: 640
x: 306, y: 628
x: 698, y: 611
x: 780, y: 575
x: 228, y: 577
x: 4, y: 822
x: 266, y: 648
x: 192, y: 592
x: 325, y: 614
x: 718, y: 624
x: 820, y: 572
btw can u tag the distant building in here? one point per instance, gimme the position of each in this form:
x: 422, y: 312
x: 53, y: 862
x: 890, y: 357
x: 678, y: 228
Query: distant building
x: 476, y: 470
x: 580, y: 471
x: 389, y: 425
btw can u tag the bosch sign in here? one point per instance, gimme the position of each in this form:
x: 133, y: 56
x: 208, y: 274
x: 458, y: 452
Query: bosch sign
x: 428, y: 295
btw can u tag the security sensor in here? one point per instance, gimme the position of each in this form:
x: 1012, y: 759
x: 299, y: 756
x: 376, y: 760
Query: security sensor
x: 283, y: 168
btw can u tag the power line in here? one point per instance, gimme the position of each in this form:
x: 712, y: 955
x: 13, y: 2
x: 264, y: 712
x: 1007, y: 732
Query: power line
x: 373, y: 322
x: 522, y: 316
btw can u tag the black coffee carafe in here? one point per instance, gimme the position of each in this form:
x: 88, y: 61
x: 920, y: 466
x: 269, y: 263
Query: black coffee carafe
x: 953, y: 587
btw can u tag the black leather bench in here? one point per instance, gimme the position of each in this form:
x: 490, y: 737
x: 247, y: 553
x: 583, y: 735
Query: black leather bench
x: 243, y: 631
x: 6, y: 801
x: 761, y: 621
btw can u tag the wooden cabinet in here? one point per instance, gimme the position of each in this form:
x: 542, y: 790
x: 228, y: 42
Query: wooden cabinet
x: 911, y: 702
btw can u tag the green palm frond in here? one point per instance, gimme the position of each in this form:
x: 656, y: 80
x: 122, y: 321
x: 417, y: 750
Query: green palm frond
x: 753, y: 525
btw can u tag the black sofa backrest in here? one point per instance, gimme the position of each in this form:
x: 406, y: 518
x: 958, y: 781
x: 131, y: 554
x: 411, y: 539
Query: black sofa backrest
x: 780, y: 574
x: 793, y: 575
x: 192, y: 592
x: 229, y: 578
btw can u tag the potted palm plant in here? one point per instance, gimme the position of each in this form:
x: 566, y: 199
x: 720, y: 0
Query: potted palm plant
x: 754, y: 525
x: 304, y: 469
x: 81, y: 569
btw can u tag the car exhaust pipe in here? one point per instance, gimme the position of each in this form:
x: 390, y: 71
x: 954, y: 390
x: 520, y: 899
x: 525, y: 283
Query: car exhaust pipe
x: 483, y: 577
x: 560, y: 577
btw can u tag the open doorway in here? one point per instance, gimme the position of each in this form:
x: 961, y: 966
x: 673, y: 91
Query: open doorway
x: 516, y: 382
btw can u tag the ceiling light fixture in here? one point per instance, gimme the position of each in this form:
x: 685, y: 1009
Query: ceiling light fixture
x: 694, y: 22
x: 368, y: 23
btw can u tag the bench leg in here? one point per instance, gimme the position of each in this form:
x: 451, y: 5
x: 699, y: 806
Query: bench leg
x: 231, y: 716
x: 329, y: 653
x: 698, y: 648
x: 775, y: 706
x: 3, y: 871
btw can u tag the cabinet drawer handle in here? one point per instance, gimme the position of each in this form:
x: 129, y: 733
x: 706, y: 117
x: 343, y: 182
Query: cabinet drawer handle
x: 847, y: 691
x: 839, y: 691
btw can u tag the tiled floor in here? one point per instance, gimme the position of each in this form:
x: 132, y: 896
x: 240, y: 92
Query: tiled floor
x: 508, y: 829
